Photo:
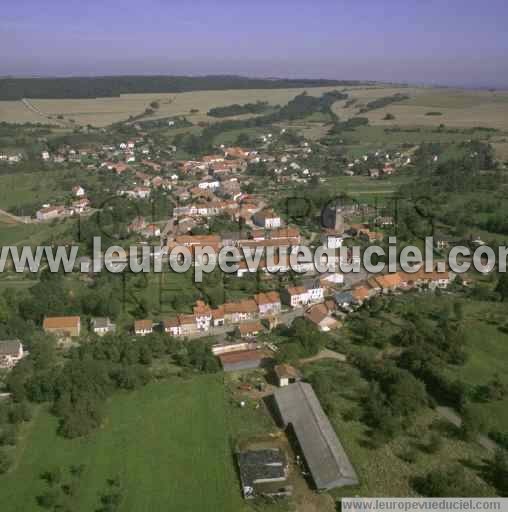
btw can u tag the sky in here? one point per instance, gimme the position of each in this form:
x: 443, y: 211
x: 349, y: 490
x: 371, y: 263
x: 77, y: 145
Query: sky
x: 448, y: 42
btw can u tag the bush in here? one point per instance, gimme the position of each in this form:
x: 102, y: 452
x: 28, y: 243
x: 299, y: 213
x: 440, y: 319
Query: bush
x: 408, y: 455
x: 5, y: 462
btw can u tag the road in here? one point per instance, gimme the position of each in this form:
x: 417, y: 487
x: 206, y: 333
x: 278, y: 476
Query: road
x: 450, y: 415
x: 23, y: 220
x: 325, y: 354
x: 286, y: 317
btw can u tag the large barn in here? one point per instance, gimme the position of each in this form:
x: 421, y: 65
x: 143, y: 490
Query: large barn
x: 326, y: 460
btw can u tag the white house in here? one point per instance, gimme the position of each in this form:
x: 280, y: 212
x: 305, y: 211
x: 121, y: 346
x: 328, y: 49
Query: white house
x: 295, y: 296
x: 314, y: 290
x: 142, y: 192
x: 203, y: 315
x: 11, y: 352
x: 103, y: 326
x: 143, y: 327
x: 78, y: 191
x: 267, y: 219
x: 332, y: 240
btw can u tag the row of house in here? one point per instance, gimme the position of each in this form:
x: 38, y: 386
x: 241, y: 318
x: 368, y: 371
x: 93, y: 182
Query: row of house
x: 245, y: 312
x: 49, y: 212
x: 393, y: 282
x: 248, y: 311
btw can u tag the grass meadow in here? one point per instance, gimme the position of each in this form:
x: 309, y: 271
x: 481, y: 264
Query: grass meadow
x: 167, y: 443
x: 487, y: 349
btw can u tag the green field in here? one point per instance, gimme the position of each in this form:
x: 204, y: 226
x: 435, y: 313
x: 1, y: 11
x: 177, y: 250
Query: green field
x: 168, y: 445
x: 26, y: 190
x: 487, y: 348
x: 32, y: 234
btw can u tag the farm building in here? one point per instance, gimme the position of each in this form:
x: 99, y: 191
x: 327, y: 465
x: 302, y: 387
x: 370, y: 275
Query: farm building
x: 326, y: 460
x: 263, y: 473
x: 243, y: 360
x: 62, y: 326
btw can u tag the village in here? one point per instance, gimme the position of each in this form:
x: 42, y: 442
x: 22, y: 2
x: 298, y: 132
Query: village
x: 276, y: 339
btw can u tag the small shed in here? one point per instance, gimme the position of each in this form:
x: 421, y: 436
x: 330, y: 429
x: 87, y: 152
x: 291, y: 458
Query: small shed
x: 286, y: 374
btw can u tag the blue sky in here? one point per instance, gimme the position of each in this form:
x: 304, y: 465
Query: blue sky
x: 449, y: 42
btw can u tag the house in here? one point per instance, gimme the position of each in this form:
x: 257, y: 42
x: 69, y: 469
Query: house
x: 267, y: 219
x: 250, y: 329
x: 331, y: 239
x: 209, y: 185
x: 236, y: 153
x: 344, y: 299
x: 62, y: 326
x: 300, y: 412
x: 388, y: 282
x: 45, y: 155
x: 143, y: 327
x: 320, y: 316
x: 242, y: 311
x: 81, y: 205
x: 78, y: 191
x: 102, y: 326
x: 142, y: 192
x: 295, y: 296
x: 218, y: 316
x: 332, y: 280
x: 268, y: 303
x: 49, y: 213
x: 190, y: 240
x: 286, y: 375
x: 172, y: 327
x: 203, y: 315
x: 263, y: 473
x: 11, y: 353
x: 314, y: 290
x: 188, y: 325
x: 361, y: 294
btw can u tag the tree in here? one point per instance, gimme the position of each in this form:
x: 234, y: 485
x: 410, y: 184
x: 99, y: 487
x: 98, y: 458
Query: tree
x: 499, y: 471
x: 502, y: 286
x: 472, y: 424
x: 444, y: 482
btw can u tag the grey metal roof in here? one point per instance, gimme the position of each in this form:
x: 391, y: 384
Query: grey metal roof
x: 102, y: 323
x: 9, y: 347
x: 261, y: 466
x: 326, y: 459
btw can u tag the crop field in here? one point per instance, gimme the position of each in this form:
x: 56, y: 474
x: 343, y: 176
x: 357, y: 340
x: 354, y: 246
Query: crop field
x: 167, y: 444
x: 457, y: 108
x: 105, y: 111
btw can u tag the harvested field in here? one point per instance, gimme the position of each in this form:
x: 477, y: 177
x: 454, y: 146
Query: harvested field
x: 105, y: 111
